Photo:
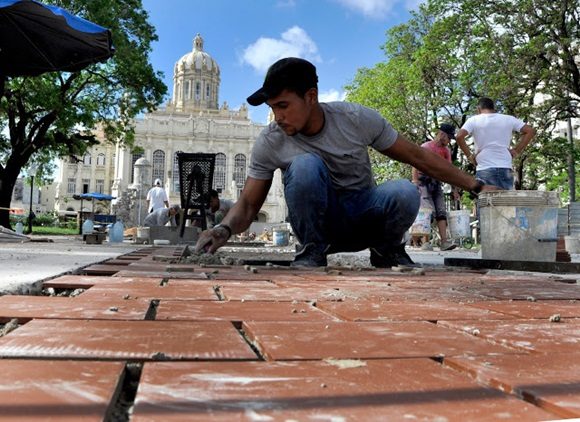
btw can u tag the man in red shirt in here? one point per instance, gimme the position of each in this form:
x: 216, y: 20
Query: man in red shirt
x: 431, y: 190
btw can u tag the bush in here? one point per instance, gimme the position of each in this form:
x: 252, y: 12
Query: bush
x: 46, y: 219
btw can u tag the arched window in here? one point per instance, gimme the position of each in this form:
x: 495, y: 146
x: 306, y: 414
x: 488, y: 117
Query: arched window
x: 219, y: 173
x: 101, y: 159
x: 87, y: 159
x: 175, y: 173
x: 197, y: 90
x: 240, y: 171
x: 158, y: 166
x: 134, y: 157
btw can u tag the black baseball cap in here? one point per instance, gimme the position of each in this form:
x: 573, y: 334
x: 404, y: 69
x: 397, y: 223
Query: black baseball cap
x: 448, y: 129
x: 291, y: 73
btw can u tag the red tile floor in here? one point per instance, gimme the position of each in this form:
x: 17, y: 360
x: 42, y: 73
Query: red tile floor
x: 144, y: 339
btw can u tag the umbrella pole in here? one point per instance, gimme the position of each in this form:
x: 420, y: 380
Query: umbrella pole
x: 81, y: 218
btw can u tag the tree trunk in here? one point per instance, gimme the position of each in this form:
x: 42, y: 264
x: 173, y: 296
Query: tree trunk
x: 519, y: 174
x: 8, y: 178
x: 571, y: 164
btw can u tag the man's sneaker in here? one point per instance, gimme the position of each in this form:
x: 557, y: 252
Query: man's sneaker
x: 391, y: 257
x: 427, y: 246
x: 310, y: 255
x: 448, y: 245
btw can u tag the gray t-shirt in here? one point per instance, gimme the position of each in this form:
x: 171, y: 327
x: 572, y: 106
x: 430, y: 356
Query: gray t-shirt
x: 349, y: 129
x: 159, y: 217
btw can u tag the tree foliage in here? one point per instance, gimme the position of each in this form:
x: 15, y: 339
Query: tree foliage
x: 522, y: 53
x: 52, y: 115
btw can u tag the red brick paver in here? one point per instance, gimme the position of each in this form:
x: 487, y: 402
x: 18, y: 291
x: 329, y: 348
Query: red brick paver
x: 550, y: 380
x: 28, y: 307
x: 348, y: 340
x: 48, y: 390
x: 400, y: 389
x: 119, y: 340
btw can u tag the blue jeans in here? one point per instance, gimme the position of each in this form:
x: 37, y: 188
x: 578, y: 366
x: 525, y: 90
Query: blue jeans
x: 341, y: 221
x: 501, y: 177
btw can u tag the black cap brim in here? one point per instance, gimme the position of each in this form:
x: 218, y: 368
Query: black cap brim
x: 258, y: 97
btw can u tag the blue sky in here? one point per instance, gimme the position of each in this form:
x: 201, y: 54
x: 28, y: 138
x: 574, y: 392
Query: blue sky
x: 246, y: 36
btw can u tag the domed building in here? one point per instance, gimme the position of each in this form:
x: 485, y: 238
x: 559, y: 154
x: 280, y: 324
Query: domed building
x: 191, y: 121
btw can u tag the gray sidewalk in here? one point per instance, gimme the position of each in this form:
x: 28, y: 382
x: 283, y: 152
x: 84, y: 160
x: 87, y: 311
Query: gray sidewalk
x: 24, y: 264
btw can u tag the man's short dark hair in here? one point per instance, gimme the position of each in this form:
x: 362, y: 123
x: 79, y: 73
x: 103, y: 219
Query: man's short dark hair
x: 292, y: 73
x: 213, y: 193
x: 486, y: 103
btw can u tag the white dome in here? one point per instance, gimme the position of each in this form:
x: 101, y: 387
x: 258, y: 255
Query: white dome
x: 197, y: 59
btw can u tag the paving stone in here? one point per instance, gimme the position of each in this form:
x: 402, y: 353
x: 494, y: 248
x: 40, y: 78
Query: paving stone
x: 162, y: 274
x: 428, y: 280
x: 116, y: 261
x: 349, y: 340
x: 289, y: 294
x: 446, y: 294
x: 254, y: 284
x: 533, y: 310
x: 125, y: 340
x: 530, y: 335
x: 240, y: 275
x: 86, y: 281
x: 103, y: 269
x: 48, y: 390
x: 552, y: 381
x: 522, y: 289
x: 130, y: 258
x: 366, y: 310
x: 28, y: 307
x: 137, y: 290
x: 239, y: 311
x: 380, y: 390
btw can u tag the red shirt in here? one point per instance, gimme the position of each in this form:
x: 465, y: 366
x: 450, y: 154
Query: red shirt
x: 440, y: 150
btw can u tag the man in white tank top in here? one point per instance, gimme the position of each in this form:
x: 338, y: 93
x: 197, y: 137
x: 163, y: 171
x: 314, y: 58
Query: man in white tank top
x: 492, y: 134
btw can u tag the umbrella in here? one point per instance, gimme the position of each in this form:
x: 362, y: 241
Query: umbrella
x: 96, y: 195
x: 36, y: 38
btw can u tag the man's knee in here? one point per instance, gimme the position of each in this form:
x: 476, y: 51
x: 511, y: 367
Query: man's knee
x: 305, y: 164
x: 402, y: 196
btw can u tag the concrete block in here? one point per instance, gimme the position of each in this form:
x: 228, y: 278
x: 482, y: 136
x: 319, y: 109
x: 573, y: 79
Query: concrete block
x: 190, y: 234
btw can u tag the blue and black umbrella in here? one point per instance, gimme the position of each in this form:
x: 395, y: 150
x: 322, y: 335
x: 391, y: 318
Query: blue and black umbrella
x: 36, y: 38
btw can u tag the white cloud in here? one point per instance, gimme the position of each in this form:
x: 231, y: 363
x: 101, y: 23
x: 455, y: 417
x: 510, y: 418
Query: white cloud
x: 331, y: 95
x: 295, y: 42
x: 369, y: 8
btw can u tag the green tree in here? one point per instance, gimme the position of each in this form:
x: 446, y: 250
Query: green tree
x: 453, y: 51
x: 52, y: 115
